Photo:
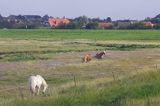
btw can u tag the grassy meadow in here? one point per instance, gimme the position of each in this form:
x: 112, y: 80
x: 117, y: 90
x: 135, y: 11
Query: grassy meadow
x: 129, y: 74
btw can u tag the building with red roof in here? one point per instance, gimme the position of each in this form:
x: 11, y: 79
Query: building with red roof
x: 55, y: 22
x: 148, y: 24
x: 105, y: 24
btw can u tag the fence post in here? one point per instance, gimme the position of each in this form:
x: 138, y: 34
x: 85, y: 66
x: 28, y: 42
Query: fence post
x: 136, y: 70
x: 114, y: 78
x: 156, y: 66
x: 74, y: 78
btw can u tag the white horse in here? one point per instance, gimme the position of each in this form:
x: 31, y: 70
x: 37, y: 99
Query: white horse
x: 35, y: 84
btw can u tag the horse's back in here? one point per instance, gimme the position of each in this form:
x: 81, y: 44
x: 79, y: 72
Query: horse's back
x: 42, y: 80
x: 100, y: 55
x: 32, y: 79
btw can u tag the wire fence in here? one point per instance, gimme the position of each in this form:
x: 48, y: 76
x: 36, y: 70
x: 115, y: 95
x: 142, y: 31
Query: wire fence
x: 74, y: 76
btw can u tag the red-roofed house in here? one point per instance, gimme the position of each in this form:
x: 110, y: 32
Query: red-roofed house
x: 105, y: 24
x: 55, y: 22
x: 148, y: 24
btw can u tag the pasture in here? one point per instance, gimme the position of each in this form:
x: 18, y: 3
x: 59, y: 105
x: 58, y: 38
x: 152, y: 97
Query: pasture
x: 129, y: 74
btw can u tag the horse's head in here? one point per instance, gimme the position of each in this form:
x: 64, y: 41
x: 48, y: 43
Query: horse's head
x: 45, y: 86
x: 104, y: 52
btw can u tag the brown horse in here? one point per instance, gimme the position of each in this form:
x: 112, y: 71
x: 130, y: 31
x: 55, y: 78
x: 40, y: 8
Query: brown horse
x: 87, y: 58
x: 100, y: 55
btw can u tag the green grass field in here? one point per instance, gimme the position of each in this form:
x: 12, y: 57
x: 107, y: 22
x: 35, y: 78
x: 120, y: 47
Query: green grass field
x: 129, y: 75
x: 81, y: 34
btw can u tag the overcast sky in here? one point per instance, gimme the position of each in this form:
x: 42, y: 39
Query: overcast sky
x: 116, y: 9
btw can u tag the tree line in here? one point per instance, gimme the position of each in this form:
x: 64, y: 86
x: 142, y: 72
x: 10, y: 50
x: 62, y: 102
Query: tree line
x: 81, y: 22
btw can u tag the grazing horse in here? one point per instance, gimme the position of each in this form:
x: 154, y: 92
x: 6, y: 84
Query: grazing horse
x: 100, y: 55
x: 87, y: 58
x: 35, y: 84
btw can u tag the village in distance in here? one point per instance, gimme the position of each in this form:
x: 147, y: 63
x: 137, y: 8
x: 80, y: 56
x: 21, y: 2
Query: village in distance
x: 81, y: 22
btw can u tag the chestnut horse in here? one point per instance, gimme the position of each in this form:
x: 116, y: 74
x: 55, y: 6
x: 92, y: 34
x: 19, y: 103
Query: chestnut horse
x: 87, y: 58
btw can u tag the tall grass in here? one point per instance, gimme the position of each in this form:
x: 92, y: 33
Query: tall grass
x: 117, y: 93
x: 96, y: 86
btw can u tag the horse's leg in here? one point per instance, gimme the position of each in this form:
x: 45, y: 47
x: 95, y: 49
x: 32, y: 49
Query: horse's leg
x: 103, y: 55
x: 88, y: 59
x: 85, y: 60
x: 32, y: 90
x: 38, y: 89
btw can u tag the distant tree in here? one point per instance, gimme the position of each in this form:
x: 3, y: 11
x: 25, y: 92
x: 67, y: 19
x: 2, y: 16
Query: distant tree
x: 81, y: 21
x: 155, y: 20
x: 1, y: 18
x: 108, y: 19
x: 96, y: 20
x: 147, y: 19
x: 45, y: 18
x: 5, y: 24
x: 92, y: 25
x: 71, y: 25
x: 156, y: 26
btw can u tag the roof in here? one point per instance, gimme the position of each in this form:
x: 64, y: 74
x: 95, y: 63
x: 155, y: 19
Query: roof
x: 54, y: 22
x: 158, y: 16
x: 105, y: 24
x: 148, y: 24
